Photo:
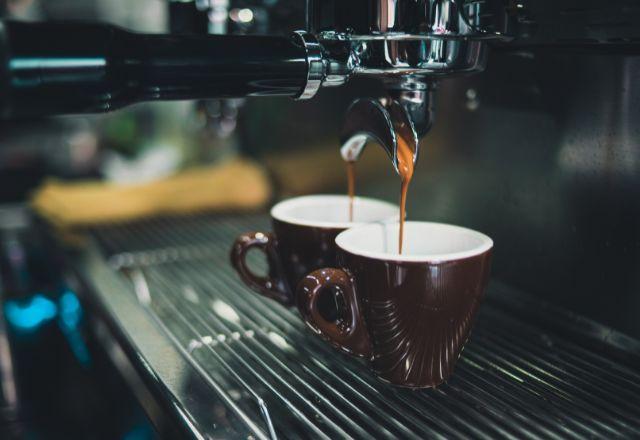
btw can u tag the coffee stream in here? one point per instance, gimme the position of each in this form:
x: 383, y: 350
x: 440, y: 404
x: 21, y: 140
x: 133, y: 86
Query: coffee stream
x: 405, y: 169
x: 351, y: 177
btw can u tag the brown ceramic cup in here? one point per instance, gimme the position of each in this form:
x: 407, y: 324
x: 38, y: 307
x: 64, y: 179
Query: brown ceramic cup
x: 303, y: 239
x: 409, y: 313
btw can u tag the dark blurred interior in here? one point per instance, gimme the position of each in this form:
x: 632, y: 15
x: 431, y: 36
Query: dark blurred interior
x: 540, y: 151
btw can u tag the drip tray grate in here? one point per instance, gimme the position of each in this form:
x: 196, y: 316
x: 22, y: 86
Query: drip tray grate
x: 517, y: 377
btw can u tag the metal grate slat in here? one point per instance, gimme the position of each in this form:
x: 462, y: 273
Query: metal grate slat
x: 515, y: 379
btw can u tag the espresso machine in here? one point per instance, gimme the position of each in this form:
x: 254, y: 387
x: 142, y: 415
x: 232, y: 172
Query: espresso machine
x: 97, y: 68
x: 524, y: 116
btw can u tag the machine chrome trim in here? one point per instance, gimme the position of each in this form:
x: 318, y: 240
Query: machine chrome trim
x: 315, y: 63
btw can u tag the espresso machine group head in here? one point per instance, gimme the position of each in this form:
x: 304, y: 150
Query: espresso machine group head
x: 407, y: 44
x: 76, y: 67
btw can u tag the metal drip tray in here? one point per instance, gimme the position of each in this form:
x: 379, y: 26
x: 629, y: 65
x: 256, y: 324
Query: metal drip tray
x: 246, y: 367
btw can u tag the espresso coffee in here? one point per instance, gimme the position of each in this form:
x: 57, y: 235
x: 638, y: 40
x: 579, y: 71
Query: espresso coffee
x: 405, y: 169
x: 410, y: 314
x: 351, y: 185
x: 405, y: 155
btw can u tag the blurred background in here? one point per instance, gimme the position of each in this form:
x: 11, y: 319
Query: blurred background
x: 540, y: 152
x: 60, y: 379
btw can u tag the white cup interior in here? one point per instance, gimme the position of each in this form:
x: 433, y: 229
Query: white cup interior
x: 423, y: 242
x: 332, y: 211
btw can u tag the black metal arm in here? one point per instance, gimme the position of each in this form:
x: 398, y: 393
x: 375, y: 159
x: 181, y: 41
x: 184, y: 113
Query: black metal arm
x: 61, y: 68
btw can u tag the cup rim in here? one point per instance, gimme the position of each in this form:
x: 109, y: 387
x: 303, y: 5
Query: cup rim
x: 486, y: 243
x: 278, y: 211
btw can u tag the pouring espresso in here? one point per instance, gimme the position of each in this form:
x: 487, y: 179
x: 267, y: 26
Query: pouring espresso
x: 351, y: 185
x: 405, y: 170
x: 389, y: 124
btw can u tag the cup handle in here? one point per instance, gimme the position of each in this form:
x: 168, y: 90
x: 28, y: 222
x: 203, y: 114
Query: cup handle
x: 350, y: 334
x: 270, y: 286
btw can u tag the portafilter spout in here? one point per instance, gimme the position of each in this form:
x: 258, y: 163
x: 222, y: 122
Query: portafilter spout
x: 407, y: 111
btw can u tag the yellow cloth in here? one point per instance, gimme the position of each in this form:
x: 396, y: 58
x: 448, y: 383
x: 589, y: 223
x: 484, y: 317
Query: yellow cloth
x: 237, y: 185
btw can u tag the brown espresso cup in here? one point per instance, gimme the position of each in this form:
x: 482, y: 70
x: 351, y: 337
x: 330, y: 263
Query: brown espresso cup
x: 303, y: 239
x: 411, y: 313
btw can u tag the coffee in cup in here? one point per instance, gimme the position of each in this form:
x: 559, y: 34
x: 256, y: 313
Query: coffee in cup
x: 409, y: 313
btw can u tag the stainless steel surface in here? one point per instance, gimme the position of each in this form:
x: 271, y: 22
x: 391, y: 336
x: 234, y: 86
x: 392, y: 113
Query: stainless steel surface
x: 417, y: 100
x: 15, y: 258
x: 397, y: 19
x: 409, y: 45
x: 9, y: 402
x: 234, y: 363
x: 164, y: 364
x: 394, y: 38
